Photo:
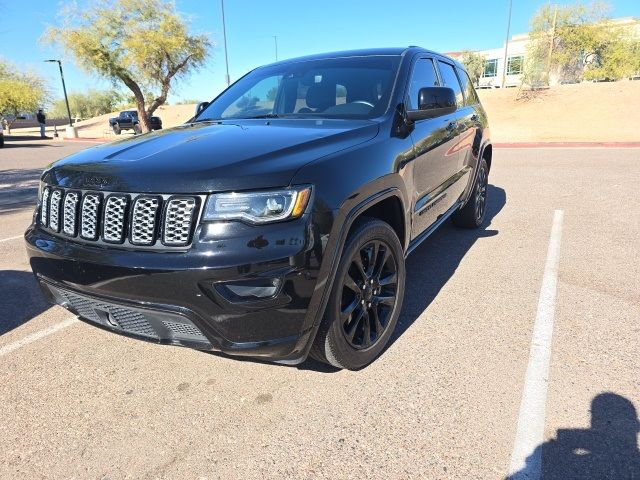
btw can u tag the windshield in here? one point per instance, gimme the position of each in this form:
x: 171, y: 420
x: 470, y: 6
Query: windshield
x: 348, y: 87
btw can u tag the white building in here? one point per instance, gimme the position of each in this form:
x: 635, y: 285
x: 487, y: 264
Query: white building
x: 516, y: 51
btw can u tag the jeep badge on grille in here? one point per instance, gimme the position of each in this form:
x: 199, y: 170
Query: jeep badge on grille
x: 94, y: 181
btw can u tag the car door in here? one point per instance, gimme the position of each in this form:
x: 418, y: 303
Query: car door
x: 436, y: 159
x: 470, y: 123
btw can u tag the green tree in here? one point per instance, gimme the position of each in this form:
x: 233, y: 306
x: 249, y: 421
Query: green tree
x: 20, y: 92
x: 144, y: 44
x: 576, y: 42
x: 89, y: 104
x: 474, y: 65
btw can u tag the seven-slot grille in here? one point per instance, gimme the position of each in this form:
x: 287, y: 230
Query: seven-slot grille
x: 140, y: 220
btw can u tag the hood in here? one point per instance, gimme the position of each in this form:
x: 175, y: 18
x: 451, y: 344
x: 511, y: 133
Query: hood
x: 207, y: 157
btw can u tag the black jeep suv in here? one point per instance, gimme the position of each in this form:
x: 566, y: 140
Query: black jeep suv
x: 276, y: 222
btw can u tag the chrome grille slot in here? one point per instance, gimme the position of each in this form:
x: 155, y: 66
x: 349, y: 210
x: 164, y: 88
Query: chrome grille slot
x: 70, y: 213
x: 143, y: 220
x: 44, y: 206
x: 89, y: 216
x: 54, y: 210
x: 178, y: 220
x: 114, y: 216
x: 130, y: 220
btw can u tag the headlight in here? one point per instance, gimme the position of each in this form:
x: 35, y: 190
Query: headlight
x: 257, y: 207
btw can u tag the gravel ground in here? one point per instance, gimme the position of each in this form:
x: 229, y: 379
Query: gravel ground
x: 443, y: 400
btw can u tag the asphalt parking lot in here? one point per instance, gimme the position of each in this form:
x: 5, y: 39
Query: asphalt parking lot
x: 517, y: 352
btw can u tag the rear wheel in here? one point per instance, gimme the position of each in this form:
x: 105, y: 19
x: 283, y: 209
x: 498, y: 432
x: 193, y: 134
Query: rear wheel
x: 366, y: 298
x: 472, y: 214
x: 116, y: 129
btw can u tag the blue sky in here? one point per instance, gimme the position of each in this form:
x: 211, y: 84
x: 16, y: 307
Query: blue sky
x: 302, y: 28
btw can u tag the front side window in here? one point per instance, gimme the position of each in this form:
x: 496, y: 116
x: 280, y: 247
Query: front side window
x: 514, y: 65
x: 347, y: 87
x: 450, y: 79
x: 423, y: 75
x: 490, y: 68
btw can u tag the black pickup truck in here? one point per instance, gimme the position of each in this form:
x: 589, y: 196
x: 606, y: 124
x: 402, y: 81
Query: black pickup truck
x: 277, y: 221
x: 128, y: 120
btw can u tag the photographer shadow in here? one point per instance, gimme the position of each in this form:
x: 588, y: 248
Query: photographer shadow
x: 607, y: 450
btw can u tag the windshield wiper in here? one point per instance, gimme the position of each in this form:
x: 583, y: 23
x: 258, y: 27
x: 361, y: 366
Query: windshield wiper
x: 266, y: 115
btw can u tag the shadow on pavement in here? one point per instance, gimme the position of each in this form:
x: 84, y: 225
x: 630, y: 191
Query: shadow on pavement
x: 433, y: 263
x: 607, y: 450
x: 21, y: 299
x: 18, y: 189
x: 9, y: 141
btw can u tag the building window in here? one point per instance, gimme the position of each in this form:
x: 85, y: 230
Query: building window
x: 514, y: 65
x: 490, y: 68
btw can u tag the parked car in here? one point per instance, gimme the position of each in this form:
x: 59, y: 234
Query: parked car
x: 128, y: 120
x: 1, y: 135
x: 276, y: 223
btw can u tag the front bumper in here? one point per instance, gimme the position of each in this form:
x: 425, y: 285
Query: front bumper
x: 178, y: 297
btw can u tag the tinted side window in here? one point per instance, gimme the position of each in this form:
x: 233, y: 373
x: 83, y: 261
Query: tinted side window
x: 450, y: 79
x: 470, y: 97
x: 424, y: 75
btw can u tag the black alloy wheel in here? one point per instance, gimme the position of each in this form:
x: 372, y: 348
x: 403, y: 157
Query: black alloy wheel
x: 369, y: 293
x: 366, y: 297
x: 481, y: 193
x: 473, y: 213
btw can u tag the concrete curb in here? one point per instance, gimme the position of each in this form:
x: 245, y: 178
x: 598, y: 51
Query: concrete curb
x: 568, y: 145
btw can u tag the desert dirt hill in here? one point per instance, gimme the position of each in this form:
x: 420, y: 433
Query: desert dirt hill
x: 580, y: 112
x: 171, y: 116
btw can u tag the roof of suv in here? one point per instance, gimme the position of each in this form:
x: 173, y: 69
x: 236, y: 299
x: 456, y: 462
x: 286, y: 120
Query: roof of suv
x: 361, y: 53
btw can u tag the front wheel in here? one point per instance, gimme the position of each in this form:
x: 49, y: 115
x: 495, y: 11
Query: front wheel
x: 472, y: 214
x: 116, y: 129
x: 137, y: 129
x: 365, y: 300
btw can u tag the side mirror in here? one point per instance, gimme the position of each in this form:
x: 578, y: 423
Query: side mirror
x: 433, y: 102
x: 200, y: 107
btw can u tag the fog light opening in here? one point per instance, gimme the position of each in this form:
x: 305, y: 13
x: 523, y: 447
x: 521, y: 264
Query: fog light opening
x: 254, y: 289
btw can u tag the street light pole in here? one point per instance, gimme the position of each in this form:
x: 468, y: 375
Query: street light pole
x: 275, y: 40
x: 64, y: 89
x: 506, y: 46
x: 224, y: 36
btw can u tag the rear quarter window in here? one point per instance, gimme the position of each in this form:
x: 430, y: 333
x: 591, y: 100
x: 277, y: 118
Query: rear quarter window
x: 470, y: 95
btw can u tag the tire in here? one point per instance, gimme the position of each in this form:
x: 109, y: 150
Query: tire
x: 349, y: 336
x: 473, y: 213
x: 137, y: 129
x: 116, y: 129
x: 1, y: 141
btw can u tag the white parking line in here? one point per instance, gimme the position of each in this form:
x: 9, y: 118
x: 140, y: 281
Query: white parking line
x: 10, y: 238
x: 530, y: 431
x: 36, y: 336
